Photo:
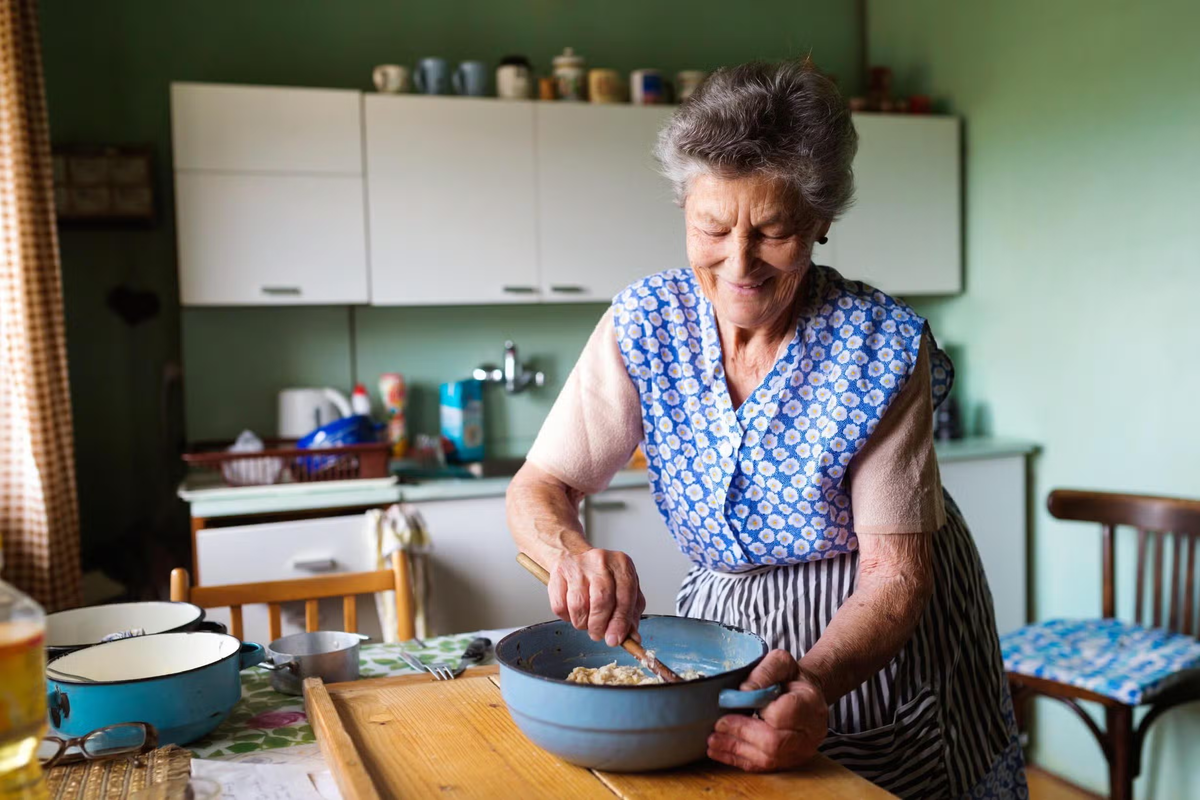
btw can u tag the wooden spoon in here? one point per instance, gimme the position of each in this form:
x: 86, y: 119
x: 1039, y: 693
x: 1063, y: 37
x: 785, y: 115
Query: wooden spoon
x: 633, y: 648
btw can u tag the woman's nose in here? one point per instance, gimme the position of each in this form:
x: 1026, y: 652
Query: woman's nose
x: 740, y: 257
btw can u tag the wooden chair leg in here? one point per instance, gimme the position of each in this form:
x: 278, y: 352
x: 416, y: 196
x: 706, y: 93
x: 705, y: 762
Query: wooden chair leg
x: 274, y: 621
x: 1022, y: 700
x: 1120, y: 762
x: 405, y: 627
x: 181, y: 585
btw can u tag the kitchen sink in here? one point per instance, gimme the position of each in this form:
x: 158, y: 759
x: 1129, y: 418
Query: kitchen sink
x: 409, y: 472
x: 496, y: 467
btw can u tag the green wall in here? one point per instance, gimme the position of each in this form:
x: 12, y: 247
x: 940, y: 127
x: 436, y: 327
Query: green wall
x: 108, y: 65
x: 1082, y: 122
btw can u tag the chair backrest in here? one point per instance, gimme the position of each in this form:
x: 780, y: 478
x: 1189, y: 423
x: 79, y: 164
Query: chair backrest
x: 1160, y: 522
x: 310, y: 590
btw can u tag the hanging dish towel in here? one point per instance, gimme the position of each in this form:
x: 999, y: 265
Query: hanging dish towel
x: 401, y: 527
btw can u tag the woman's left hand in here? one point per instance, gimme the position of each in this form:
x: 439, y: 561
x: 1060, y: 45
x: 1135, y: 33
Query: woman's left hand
x: 786, y: 733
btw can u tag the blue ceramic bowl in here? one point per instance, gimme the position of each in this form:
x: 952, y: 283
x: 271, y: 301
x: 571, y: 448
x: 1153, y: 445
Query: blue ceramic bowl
x: 628, y: 728
x: 184, y: 684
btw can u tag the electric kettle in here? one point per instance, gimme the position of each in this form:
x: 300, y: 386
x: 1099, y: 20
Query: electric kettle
x: 301, y: 411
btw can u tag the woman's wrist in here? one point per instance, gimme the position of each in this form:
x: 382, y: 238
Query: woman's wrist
x: 813, y: 677
x: 564, y: 544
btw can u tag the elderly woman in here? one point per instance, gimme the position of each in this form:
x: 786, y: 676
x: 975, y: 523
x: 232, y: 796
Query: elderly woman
x: 786, y: 416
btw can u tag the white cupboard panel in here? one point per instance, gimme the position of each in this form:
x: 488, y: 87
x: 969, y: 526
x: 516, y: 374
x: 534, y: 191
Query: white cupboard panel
x: 991, y: 495
x: 450, y: 186
x: 605, y: 216
x: 628, y: 520
x: 270, y: 239
x: 477, y: 582
x: 266, y: 128
x: 277, y: 551
x: 903, y: 233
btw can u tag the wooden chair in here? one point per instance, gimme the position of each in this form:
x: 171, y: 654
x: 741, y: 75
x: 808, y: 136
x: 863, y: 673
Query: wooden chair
x: 274, y: 593
x: 1170, y: 615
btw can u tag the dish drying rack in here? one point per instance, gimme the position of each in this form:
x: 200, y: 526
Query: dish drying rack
x: 282, y: 462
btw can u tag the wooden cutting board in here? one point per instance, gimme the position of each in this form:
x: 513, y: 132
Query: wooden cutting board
x: 412, y: 736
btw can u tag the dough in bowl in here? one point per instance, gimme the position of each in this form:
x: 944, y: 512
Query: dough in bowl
x: 612, y: 675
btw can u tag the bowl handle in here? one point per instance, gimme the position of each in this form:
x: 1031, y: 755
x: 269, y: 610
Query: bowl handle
x: 58, y: 705
x: 759, y: 698
x: 251, y: 654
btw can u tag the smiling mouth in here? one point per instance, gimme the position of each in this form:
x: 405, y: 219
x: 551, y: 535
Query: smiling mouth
x: 748, y: 287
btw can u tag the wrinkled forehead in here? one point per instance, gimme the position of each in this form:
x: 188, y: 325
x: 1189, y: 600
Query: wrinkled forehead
x: 757, y: 199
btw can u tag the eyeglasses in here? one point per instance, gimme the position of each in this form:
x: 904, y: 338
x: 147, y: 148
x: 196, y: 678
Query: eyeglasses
x: 127, y: 738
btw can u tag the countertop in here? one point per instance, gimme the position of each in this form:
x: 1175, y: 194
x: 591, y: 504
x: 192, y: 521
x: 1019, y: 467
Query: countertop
x: 209, y: 501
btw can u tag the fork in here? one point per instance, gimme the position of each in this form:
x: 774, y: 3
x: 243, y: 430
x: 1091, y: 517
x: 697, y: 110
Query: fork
x: 440, y: 670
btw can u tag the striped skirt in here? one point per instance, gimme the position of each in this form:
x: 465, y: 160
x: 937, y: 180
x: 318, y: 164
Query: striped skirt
x: 937, y: 721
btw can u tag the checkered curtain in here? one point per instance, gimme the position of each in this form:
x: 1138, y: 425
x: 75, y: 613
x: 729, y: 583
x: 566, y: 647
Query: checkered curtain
x: 39, y: 518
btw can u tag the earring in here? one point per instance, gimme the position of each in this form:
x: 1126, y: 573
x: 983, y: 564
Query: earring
x: 823, y: 240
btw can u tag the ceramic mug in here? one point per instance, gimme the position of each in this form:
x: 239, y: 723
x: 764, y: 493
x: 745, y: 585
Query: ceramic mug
x: 392, y: 79
x: 647, y: 87
x: 513, y: 81
x: 470, y: 79
x: 604, y: 86
x: 432, y: 76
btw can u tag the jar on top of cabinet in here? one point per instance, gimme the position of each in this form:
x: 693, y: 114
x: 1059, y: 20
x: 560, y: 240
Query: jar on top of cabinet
x: 570, y: 77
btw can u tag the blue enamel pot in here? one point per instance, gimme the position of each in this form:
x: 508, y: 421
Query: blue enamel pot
x: 184, y: 684
x: 628, y: 728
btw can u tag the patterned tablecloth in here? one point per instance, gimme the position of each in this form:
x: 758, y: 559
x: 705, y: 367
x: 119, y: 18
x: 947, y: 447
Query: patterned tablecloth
x: 265, y: 719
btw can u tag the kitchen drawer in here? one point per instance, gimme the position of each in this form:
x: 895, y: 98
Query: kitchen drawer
x: 281, y: 550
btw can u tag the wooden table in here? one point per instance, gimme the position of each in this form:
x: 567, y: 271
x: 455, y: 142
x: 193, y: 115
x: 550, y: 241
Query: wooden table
x: 410, y: 736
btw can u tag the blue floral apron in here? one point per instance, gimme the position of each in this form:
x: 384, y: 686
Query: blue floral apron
x: 755, y: 496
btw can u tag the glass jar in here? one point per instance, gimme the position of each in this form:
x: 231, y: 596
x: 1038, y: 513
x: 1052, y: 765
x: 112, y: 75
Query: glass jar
x: 22, y: 694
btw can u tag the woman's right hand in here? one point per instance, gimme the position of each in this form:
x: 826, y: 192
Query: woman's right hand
x: 597, y: 590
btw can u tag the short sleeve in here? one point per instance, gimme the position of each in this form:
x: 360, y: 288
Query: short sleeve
x: 895, y: 486
x: 596, y: 422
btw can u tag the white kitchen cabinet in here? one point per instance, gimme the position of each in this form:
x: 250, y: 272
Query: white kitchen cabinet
x: 904, y: 232
x: 991, y: 494
x: 281, y: 550
x: 473, y: 201
x: 269, y: 195
x: 450, y: 188
x: 477, y: 582
x: 605, y: 216
x: 250, y: 239
x: 628, y: 520
x: 266, y: 129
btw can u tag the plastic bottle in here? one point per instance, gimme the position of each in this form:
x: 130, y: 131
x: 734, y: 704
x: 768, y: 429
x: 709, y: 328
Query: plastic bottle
x: 360, y: 401
x: 22, y: 694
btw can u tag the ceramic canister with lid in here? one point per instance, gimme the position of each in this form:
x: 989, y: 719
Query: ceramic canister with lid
x: 570, y: 77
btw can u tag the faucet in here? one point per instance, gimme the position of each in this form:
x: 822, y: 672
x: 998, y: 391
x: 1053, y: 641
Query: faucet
x: 515, y: 377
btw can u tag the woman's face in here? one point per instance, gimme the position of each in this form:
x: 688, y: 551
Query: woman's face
x: 750, y: 245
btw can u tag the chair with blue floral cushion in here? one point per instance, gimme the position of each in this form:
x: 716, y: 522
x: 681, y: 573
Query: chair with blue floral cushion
x: 1153, y: 661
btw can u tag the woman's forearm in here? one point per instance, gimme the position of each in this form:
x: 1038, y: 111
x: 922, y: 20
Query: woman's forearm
x: 895, y: 581
x: 543, y: 516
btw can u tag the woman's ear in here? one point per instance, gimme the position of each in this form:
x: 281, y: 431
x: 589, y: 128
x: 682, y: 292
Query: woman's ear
x: 822, y: 228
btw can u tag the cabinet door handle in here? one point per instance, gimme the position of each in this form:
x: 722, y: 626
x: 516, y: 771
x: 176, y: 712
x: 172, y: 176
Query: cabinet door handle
x: 608, y: 505
x: 569, y: 289
x: 315, y: 565
x: 519, y: 290
x: 281, y: 291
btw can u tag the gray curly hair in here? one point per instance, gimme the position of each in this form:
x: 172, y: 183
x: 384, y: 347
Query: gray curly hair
x: 783, y: 120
